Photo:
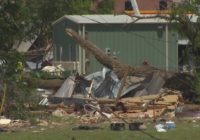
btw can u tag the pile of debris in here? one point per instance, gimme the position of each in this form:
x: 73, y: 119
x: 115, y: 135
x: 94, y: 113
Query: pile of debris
x: 96, y: 98
x: 152, y: 106
x: 119, y: 91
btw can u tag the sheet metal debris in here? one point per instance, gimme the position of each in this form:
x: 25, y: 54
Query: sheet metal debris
x: 142, y: 97
x: 67, y: 88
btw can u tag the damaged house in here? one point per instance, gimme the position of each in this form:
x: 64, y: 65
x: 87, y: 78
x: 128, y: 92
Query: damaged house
x: 131, y: 41
x: 152, y: 41
x: 139, y: 57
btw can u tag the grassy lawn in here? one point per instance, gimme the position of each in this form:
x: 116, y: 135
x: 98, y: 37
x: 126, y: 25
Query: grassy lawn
x: 183, y: 131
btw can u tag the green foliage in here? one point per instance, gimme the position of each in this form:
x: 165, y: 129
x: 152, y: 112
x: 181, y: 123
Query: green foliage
x: 12, y: 65
x: 45, y: 12
x: 184, y: 8
x: 66, y: 119
x: 106, y: 7
x: 187, y: 27
x: 197, y: 90
x: 20, y: 98
x: 18, y: 93
x: 78, y: 6
x: 23, y: 20
x: 191, y: 30
x: 48, y: 75
x: 40, y: 74
x: 66, y: 73
x: 185, y: 130
x: 14, y: 18
x: 197, y: 87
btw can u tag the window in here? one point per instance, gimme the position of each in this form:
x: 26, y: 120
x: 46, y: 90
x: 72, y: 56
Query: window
x: 128, y: 5
x: 163, y: 5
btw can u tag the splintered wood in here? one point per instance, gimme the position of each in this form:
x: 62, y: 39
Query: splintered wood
x: 151, y: 106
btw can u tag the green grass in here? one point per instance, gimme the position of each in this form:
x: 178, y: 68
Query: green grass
x: 183, y: 131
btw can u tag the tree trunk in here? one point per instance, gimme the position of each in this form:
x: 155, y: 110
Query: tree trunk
x: 40, y: 83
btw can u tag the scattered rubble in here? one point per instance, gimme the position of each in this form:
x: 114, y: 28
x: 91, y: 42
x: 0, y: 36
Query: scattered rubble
x: 122, y: 92
x: 119, y: 94
x: 165, y: 125
x: 188, y: 111
x: 59, y: 113
x: 8, y: 124
x: 137, y: 126
x: 43, y: 123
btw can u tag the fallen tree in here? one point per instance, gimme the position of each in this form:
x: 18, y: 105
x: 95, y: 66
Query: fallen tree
x: 41, y: 83
x: 122, y: 70
x: 160, y: 78
x: 118, y: 68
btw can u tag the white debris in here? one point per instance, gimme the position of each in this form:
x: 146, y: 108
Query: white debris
x: 5, y: 121
x: 160, y: 128
x: 54, y: 69
x: 107, y: 115
x: 40, y: 90
x: 44, y: 101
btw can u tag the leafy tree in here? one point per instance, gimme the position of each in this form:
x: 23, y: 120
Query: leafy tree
x: 13, y: 19
x: 191, y: 29
x: 78, y: 6
x: 106, y: 7
x: 23, y: 20
x: 15, y: 24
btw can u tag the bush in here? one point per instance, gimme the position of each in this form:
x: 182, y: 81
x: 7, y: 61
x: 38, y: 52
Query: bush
x: 48, y: 75
x: 197, y: 88
x: 20, y: 98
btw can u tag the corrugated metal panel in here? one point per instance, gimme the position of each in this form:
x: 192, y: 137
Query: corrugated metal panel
x: 134, y: 43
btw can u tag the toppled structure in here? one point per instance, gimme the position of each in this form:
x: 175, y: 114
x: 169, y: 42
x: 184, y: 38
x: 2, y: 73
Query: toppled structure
x: 120, y: 92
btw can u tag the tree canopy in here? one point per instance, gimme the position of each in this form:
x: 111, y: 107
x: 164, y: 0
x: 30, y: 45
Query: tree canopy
x: 183, y: 14
x: 25, y: 19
